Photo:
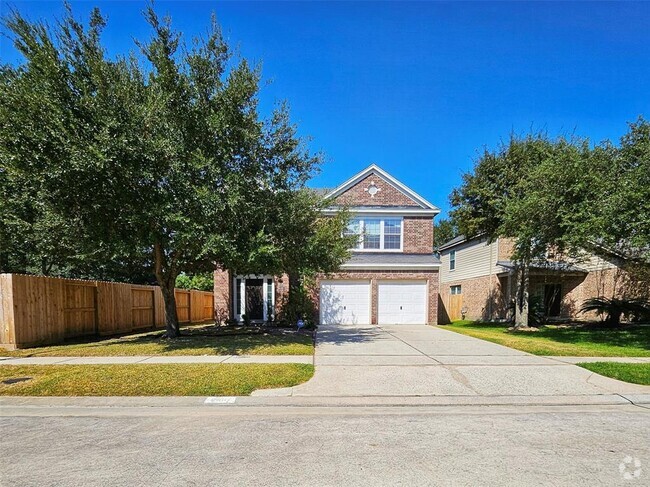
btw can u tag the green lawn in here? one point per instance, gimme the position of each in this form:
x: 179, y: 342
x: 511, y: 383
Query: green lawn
x: 629, y: 341
x: 635, y: 373
x: 150, y: 380
x: 196, y: 340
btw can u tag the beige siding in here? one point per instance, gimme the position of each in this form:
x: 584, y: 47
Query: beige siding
x: 591, y: 263
x: 473, y: 259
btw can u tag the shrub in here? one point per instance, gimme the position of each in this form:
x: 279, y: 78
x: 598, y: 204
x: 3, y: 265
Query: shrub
x: 614, y: 308
x: 298, y: 305
x: 198, y: 282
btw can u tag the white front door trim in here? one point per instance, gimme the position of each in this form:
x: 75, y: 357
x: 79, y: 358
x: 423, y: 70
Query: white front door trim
x: 268, y: 296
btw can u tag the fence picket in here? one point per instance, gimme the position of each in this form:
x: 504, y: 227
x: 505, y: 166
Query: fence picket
x: 36, y: 310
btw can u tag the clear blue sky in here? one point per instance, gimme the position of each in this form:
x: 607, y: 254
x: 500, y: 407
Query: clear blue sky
x: 419, y: 88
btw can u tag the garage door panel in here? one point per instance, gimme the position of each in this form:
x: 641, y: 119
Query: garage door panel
x: 402, y: 302
x: 345, y: 302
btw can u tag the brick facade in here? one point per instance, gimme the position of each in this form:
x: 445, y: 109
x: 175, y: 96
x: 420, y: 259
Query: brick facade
x: 222, y: 292
x: 431, y: 276
x: 418, y: 234
x: 281, y: 292
x: 576, y: 290
x: 506, y: 247
x: 388, y: 195
x: 417, y: 239
x: 484, y: 298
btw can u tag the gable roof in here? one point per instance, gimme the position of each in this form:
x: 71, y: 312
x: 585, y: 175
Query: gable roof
x: 374, y: 169
x: 453, y: 242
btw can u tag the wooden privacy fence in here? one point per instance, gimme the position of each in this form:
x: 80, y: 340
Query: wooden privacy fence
x: 36, y: 310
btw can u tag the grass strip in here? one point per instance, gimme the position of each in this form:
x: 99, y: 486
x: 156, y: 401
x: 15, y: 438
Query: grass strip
x: 149, y: 379
x: 634, y: 373
x: 577, y: 341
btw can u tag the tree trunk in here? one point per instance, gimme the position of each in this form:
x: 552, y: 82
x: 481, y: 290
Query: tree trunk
x: 171, y: 316
x: 166, y: 278
x: 294, y: 282
x: 521, y: 303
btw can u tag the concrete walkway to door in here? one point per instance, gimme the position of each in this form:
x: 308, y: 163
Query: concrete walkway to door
x: 420, y: 360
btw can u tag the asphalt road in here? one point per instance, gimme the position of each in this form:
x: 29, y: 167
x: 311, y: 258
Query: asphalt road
x: 356, y: 446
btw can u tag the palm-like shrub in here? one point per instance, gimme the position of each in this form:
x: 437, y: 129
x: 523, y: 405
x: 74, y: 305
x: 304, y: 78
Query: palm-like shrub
x: 614, y: 308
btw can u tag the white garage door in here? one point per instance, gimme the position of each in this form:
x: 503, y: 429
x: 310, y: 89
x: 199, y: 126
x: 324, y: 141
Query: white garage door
x: 344, y: 302
x: 402, y: 302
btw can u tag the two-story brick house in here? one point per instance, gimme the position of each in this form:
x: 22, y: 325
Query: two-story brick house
x: 391, y: 277
x: 477, y: 281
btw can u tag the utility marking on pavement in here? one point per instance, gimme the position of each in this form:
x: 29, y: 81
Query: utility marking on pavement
x: 220, y: 400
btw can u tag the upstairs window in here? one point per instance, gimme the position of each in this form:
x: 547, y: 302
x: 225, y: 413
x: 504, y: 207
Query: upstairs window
x: 452, y: 260
x: 376, y: 233
x: 393, y: 234
x: 354, y: 228
x: 372, y: 234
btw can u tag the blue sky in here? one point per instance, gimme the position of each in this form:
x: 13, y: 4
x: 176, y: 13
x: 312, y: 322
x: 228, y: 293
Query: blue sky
x: 420, y: 88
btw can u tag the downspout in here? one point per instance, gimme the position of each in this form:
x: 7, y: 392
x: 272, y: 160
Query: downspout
x: 490, y: 289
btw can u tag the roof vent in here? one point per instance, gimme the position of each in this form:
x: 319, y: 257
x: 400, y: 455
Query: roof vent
x: 373, y: 189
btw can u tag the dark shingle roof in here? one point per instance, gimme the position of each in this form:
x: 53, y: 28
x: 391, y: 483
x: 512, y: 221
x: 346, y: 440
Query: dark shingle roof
x: 547, y: 266
x: 322, y: 192
x: 453, y: 241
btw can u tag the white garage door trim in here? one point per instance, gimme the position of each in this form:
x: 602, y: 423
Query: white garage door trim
x: 344, y: 302
x: 402, y: 302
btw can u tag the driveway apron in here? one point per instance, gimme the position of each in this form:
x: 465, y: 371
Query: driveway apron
x: 421, y: 360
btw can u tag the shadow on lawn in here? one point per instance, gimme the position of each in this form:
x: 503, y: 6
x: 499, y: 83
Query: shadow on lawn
x: 626, y: 336
x: 636, y: 335
x: 202, y: 339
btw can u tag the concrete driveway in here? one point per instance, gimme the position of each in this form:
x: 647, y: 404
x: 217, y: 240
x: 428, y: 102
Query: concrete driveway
x: 420, y: 360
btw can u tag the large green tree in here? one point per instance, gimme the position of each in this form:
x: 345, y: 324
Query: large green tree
x: 511, y: 193
x: 161, y: 157
x: 562, y: 195
x: 444, y: 230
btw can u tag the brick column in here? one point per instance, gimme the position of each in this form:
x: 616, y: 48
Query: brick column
x: 374, y: 301
x: 222, y: 294
x: 433, y: 299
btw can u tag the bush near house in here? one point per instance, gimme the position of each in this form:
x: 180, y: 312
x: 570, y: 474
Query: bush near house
x: 614, y: 309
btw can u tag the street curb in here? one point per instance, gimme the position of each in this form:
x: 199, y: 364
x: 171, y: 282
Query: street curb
x: 307, y: 402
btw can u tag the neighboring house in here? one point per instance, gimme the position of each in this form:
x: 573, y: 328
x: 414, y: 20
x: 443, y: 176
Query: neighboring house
x: 477, y: 281
x: 391, y: 277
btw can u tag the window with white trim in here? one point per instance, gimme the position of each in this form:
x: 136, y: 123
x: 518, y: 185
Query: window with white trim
x: 354, y: 228
x: 376, y: 233
x: 455, y: 290
x: 392, y: 234
x: 452, y: 260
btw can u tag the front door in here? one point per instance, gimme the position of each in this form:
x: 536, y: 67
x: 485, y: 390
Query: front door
x: 552, y: 299
x: 455, y: 303
x: 255, y: 299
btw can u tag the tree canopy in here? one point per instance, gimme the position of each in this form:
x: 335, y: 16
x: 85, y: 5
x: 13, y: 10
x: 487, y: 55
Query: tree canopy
x: 158, y: 160
x: 444, y: 230
x: 562, y: 194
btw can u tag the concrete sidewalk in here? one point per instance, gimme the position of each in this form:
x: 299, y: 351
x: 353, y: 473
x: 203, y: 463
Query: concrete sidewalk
x: 162, y: 359
x: 419, y: 360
